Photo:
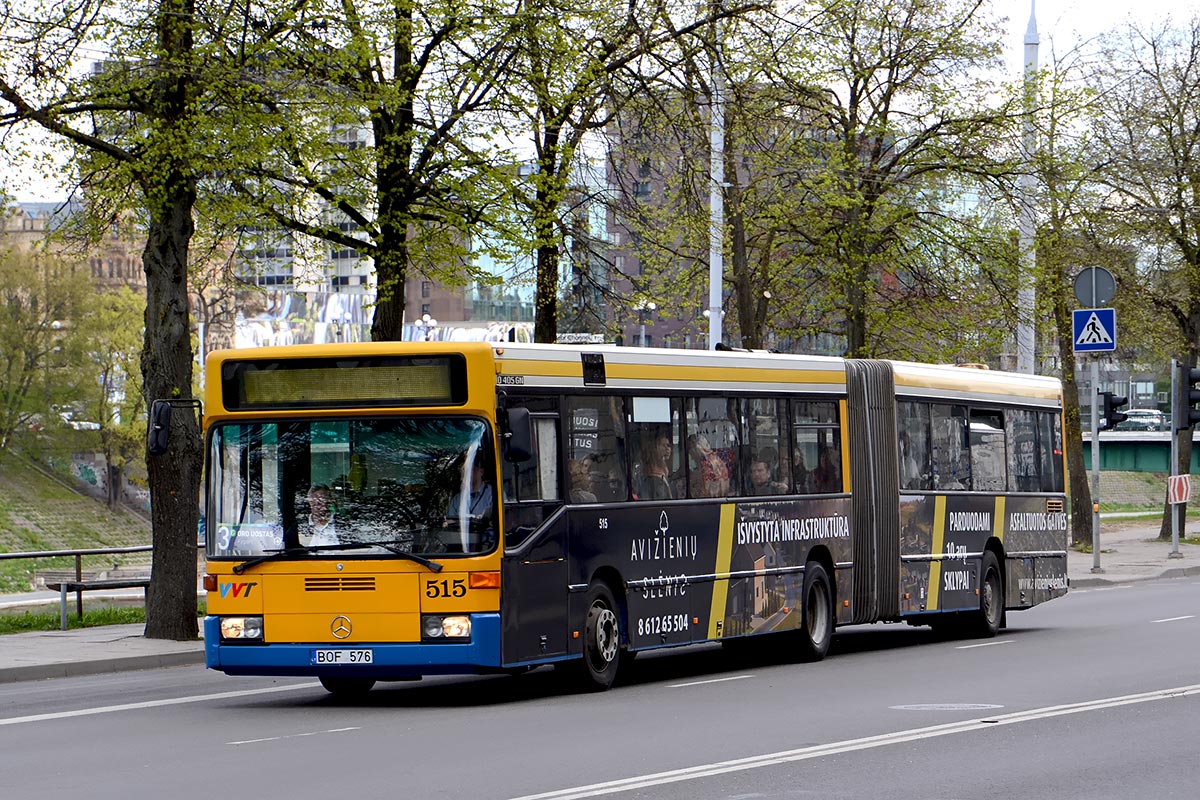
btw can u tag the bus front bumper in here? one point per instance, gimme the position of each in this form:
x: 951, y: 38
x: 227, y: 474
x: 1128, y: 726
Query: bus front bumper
x: 388, y: 659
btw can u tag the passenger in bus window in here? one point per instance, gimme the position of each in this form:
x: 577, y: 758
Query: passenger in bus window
x: 760, y: 479
x: 777, y: 471
x: 321, y: 529
x: 910, y: 470
x: 710, y: 474
x: 579, y: 475
x: 656, y: 470
x: 800, y: 471
x: 827, y: 476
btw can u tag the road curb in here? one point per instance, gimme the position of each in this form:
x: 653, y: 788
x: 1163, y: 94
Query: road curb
x: 70, y: 669
x: 1100, y: 580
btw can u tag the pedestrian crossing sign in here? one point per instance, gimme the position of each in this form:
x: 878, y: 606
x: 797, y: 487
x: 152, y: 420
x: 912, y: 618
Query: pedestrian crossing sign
x: 1094, y: 330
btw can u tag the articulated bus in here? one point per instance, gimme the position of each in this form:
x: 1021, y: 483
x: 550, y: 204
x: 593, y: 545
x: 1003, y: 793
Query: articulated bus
x: 385, y: 511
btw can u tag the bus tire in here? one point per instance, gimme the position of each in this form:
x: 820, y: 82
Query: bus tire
x: 347, y: 688
x: 990, y: 616
x: 601, y: 640
x: 816, y: 614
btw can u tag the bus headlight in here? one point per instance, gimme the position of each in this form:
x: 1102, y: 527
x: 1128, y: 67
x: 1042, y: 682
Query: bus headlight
x: 243, y: 628
x: 436, y: 626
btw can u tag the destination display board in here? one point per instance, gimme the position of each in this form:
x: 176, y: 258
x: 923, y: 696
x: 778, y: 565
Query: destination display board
x: 344, y: 382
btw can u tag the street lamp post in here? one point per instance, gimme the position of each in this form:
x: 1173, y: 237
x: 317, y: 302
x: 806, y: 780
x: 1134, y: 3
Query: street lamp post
x: 708, y: 318
x: 642, y: 308
x: 426, y: 323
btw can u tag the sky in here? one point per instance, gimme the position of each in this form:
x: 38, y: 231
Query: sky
x: 1061, y: 24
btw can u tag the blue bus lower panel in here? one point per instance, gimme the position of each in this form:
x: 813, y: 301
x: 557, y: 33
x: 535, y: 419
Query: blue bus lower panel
x: 389, y: 659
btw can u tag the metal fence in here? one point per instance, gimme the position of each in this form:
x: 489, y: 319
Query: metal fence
x: 78, y: 555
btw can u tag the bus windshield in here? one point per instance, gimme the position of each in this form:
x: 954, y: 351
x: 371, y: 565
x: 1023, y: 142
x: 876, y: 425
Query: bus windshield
x: 378, y: 486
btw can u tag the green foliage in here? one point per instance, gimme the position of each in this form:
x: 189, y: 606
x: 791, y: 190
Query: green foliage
x: 853, y: 134
x: 42, y: 354
x: 396, y: 162
x: 26, y: 621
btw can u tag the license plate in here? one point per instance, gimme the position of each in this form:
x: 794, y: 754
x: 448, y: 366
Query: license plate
x: 342, y: 656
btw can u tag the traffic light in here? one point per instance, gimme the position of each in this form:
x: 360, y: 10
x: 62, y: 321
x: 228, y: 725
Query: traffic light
x: 1110, y: 407
x: 1184, y: 415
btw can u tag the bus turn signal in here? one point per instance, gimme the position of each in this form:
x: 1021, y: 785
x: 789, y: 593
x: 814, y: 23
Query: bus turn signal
x: 484, y: 580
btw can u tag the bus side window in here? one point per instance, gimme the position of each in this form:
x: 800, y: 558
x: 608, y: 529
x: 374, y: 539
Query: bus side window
x: 988, y: 470
x: 1050, y: 448
x: 816, y: 447
x: 537, y: 478
x: 951, y: 449
x: 913, y: 419
x: 1024, y: 465
x: 595, y: 430
x: 713, y: 445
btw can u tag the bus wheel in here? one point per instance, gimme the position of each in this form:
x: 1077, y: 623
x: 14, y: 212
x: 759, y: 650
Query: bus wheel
x: 347, y: 688
x: 991, y: 598
x: 601, y: 639
x: 816, y: 623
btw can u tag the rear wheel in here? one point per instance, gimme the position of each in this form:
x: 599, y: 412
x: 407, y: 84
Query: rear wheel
x: 816, y: 622
x: 987, y: 620
x: 347, y: 688
x: 601, y: 640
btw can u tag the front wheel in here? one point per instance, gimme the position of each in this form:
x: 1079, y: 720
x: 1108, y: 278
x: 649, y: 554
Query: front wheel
x: 601, y: 640
x: 988, y: 619
x: 816, y: 621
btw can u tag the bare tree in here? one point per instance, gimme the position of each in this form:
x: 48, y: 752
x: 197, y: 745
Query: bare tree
x: 1146, y: 144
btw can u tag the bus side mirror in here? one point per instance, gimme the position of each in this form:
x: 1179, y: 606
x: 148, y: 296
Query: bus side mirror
x: 518, y: 438
x: 158, y: 431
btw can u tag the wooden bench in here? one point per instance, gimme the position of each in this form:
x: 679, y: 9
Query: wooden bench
x: 81, y: 586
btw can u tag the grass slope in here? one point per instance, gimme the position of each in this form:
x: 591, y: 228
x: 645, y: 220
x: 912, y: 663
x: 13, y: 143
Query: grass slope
x: 39, y: 511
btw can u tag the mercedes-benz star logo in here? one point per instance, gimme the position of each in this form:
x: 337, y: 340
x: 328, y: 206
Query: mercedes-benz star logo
x: 341, y: 627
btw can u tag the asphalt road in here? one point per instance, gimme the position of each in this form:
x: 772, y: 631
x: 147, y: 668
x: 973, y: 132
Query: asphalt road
x: 1092, y: 696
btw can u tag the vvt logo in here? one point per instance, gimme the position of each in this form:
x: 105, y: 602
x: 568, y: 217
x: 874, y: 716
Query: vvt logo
x: 237, y: 589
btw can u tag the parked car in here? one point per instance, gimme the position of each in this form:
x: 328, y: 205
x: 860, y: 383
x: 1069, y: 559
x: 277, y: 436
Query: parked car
x: 1143, y: 419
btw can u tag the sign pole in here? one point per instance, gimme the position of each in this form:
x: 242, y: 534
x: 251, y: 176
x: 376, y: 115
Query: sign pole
x: 1094, y: 331
x: 1096, y: 464
x: 1174, y: 460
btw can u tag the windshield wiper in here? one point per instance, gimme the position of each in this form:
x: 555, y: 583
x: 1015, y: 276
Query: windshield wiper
x: 272, y: 555
x: 350, y: 544
x: 392, y: 546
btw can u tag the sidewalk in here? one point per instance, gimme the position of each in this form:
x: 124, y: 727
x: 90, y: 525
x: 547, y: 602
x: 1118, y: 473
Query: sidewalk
x: 1128, y: 552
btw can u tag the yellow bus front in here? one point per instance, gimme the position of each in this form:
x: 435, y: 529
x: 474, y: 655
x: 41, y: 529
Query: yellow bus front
x: 351, y: 503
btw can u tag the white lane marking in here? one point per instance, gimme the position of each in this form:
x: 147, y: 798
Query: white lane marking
x: 701, y: 683
x: 174, y: 701
x: 984, y: 644
x: 850, y: 745
x: 1174, y: 619
x: 294, y: 736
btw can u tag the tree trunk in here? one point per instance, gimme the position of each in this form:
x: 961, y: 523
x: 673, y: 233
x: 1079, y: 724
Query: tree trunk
x: 391, y: 267
x: 114, y: 484
x: 168, y: 184
x: 547, y: 196
x: 393, y: 184
x: 545, y: 326
x: 1077, y: 475
x: 167, y: 374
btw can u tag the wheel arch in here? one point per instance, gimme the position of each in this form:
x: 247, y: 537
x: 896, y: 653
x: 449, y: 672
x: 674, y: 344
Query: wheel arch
x: 996, y: 548
x: 820, y: 554
x: 611, y: 577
